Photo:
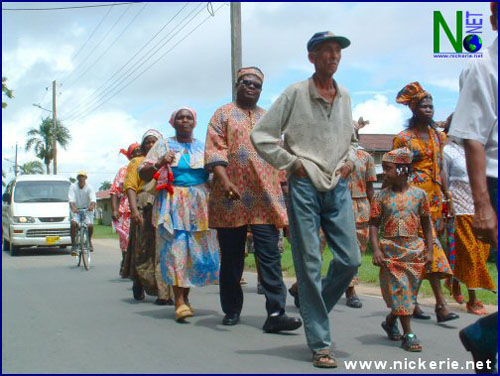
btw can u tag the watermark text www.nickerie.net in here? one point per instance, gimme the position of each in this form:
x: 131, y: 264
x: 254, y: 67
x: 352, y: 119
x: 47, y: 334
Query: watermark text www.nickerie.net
x: 417, y: 365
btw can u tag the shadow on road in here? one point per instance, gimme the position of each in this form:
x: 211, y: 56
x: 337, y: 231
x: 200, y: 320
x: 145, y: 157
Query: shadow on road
x: 295, y: 352
x: 378, y: 339
x: 54, y: 251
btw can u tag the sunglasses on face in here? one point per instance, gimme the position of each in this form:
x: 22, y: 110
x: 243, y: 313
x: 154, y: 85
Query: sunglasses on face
x: 247, y: 83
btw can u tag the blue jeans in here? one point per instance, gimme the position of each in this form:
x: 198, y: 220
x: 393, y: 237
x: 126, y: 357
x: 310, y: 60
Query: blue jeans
x: 332, y: 210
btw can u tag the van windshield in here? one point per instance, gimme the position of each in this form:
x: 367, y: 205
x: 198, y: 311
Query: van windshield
x: 41, y: 191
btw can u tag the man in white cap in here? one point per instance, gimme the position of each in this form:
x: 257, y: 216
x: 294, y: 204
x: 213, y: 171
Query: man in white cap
x: 81, y: 197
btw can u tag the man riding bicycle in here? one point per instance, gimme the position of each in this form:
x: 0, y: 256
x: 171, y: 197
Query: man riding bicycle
x: 81, y: 198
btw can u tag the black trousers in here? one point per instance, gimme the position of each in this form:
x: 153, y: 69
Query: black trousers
x: 232, y: 246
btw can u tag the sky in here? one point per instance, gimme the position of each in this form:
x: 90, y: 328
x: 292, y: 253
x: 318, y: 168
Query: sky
x: 122, y: 70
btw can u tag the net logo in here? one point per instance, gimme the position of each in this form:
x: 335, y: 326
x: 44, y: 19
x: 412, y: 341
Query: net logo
x: 466, y: 23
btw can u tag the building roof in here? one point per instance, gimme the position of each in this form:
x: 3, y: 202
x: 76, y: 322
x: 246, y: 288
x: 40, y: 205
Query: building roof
x: 103, y: 195
x: 41, y: 178
x: 376, y: 142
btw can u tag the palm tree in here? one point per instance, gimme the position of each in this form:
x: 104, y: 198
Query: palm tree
x: 31, y: 168
x: 105, y: 185
x: 8, y: 93
x: 40, y: 139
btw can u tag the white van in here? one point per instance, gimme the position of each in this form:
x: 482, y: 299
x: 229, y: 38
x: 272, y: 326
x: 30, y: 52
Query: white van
x: 35, y: 212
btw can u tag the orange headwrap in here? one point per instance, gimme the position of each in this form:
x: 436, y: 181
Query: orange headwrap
x: 411, y: 95
x: 128, y: 153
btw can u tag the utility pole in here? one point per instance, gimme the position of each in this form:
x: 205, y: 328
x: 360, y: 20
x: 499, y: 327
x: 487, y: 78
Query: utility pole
x: 15, y: 171
x: 54, y: 119
x: 235, y: 43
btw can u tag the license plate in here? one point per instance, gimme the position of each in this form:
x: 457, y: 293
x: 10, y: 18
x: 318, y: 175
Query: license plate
x: 51, y: 240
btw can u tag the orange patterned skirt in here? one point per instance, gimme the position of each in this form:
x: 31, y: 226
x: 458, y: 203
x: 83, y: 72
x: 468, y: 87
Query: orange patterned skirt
x: 472, y: 256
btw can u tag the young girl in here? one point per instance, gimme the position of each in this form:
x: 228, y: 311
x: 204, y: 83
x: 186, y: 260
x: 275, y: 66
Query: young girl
x: 400, y: 209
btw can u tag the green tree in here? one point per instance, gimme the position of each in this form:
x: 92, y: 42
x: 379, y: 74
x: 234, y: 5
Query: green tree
x: 31, y: 168
x: 40, y: 140
x: 4, y: 175
x: 5, y: 90
x: 105, y: 185
x: 72, y: 180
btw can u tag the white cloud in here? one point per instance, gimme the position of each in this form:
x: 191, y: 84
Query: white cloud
x: 384, y: 117
x: 29, y: 53
x: 445, y: 83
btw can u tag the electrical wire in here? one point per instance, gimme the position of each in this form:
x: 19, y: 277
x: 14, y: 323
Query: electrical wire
x: 109, y: 47
x: 65, y: 8
x: 86, y: 101
x: 161, y: 57
x: 145, y: 58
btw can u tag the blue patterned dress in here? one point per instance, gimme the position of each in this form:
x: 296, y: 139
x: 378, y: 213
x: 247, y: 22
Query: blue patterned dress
x: 189, y: 249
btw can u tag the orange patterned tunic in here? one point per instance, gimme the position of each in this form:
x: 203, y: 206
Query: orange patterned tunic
x: 228, y: 144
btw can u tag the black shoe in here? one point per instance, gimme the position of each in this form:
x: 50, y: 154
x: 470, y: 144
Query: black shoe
x: 163, y: 302
x: 138, y: 291
x: 295, y: 297
x: 231, y: 319
x: 260, y: 289
x: 275, y: 324
x: 421, y: 315
x: 91, y: 247
x: 353, y: 302
x: 479, y: 355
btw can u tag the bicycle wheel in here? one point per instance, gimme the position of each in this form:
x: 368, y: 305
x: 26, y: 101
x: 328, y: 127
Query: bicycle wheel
x: 85, y: 248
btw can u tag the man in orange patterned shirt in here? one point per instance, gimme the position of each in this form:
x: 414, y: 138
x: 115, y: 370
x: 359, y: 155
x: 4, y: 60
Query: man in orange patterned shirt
x: 246, y: 192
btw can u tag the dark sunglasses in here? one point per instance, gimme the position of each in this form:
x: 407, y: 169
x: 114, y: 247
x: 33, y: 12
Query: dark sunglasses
x: 247, y: 83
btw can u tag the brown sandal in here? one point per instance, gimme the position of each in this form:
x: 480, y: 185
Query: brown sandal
x: 182, y: 313
x: 324, y: 359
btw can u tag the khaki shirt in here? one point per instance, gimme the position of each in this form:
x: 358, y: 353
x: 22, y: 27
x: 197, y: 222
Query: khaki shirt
x: 317, y: 133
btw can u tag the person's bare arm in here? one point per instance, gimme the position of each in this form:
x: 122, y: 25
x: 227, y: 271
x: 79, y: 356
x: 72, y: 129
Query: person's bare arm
x: 147, y: 172
x: 378, y: 256
x: 426, y: 222
x: 132, y: 199
x: 485, y: 219
x: 115, y: 204
x: 369, y: 190
x: 230, y: 190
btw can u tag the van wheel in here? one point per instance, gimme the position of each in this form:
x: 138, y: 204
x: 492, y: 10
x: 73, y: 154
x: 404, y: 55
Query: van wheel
x: 6, y: 244
x: 14, y: 251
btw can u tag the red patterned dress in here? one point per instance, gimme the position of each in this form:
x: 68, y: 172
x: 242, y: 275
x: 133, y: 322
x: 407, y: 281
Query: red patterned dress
x: 398, y: 214
x: 228, y: 144
x: 122, y: 225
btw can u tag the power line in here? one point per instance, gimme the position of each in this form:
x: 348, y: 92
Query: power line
x: 145, y: 58
x: 76, y: 7
x: 92, y: 33
x: 98, y: 44
x: 156, y: 61
x: 85, y: 101
x: 110, y: 46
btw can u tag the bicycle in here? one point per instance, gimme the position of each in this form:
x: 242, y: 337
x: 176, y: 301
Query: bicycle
x: 83, y: 241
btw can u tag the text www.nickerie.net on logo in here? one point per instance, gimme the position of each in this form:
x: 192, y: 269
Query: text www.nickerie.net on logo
x: 417, y: 365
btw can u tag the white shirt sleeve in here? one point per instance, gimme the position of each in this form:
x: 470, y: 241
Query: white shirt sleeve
x: 71, y: 193
x: 474, y: 116
x: 91, y: 192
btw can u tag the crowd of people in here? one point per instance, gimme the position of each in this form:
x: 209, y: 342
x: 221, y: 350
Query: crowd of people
x: 184, y: 208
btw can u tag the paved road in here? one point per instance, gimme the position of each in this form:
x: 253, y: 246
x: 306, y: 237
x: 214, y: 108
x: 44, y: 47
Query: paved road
x: 57, y: 318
